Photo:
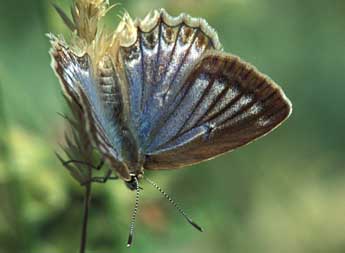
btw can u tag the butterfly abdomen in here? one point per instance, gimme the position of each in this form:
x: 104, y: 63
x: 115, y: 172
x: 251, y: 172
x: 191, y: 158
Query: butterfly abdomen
x: 110, y: 89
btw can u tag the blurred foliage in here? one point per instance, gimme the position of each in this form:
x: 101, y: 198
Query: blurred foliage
x: 284, y: 193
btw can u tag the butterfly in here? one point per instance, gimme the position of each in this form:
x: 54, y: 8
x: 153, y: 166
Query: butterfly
x: 166, y: 96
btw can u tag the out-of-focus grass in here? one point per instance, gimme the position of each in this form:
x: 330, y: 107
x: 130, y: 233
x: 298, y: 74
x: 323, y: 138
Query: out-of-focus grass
x: 283, y: 193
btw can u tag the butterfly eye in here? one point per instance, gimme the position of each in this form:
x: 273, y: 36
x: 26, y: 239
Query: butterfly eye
x: 132, y: 184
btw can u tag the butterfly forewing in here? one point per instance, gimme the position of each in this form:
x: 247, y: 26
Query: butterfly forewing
x: 158, y: 63
x: 226, y: 103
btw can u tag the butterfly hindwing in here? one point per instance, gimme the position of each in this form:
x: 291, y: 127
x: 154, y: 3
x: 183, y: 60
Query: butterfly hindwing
x: 226, y: 103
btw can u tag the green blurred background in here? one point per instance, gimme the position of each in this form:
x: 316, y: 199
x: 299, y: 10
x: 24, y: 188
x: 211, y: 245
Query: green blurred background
x: 284, y: 193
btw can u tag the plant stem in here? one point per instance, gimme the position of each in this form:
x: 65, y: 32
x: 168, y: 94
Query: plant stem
x: 87, y: 201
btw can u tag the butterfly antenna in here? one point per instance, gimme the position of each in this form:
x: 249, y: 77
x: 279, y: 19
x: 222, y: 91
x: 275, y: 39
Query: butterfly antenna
x: 190, y: 221
x: 134, y: 215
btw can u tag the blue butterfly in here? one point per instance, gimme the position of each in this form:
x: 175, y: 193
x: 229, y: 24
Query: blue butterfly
x: 166, y: 96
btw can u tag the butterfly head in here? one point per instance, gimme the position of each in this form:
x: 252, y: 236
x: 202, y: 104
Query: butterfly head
x: 134, y: 164
x: 132, y: 184
x: 129, y: 174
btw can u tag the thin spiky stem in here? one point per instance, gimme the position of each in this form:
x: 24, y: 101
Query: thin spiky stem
x: 87, y: 201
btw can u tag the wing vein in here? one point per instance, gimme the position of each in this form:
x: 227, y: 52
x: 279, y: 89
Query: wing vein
x: 179, y: 133
x: 149, y: 139
x: 205, y: 93
x: 164, y: 119
x: 216, y: 100
x: 143, y: 72
x: 246, y: 107
x: 149, y: 134
x: 146, y: 103
x: 181, y: 64
x: 220, y: 112
x: 158, y: 51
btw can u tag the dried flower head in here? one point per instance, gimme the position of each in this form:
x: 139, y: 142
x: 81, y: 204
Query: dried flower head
x: 86, y: 15
x: 88, y: 35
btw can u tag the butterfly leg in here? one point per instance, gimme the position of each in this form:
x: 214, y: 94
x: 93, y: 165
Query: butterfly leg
x: 103, y: 179
x: 98, y: 167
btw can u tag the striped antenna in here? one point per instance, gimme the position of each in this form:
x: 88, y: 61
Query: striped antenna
x: 134, y: 215
x: 190, y: 221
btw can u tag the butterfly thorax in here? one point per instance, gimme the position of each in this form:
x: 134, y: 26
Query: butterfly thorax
x: 131, y: 156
